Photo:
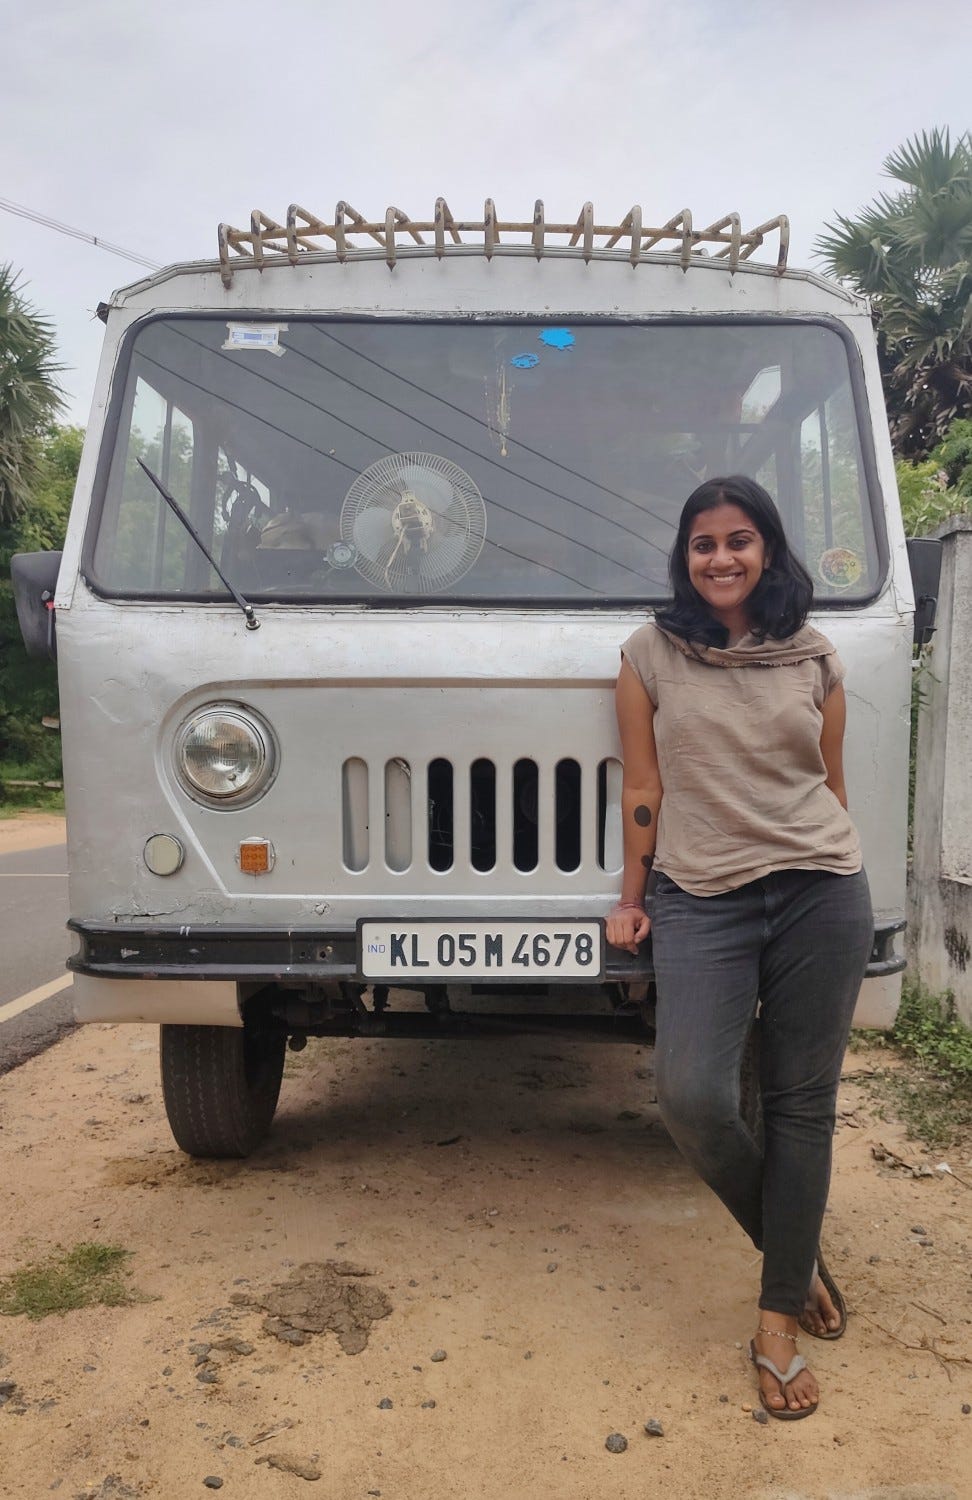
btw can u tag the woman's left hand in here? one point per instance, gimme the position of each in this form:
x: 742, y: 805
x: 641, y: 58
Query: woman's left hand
x: 627, y: 926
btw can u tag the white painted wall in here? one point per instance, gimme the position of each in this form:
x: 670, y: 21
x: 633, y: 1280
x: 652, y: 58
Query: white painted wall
x: 940, y: 889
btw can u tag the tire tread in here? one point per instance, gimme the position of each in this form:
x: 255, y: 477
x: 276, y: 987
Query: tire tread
x: 213, y: 1108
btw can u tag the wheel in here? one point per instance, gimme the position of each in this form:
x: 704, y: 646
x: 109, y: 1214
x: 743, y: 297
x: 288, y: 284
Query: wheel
x: 221, y: 1085
x: 750, y: 1105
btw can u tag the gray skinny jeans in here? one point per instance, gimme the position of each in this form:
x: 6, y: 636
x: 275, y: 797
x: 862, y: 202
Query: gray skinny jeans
x: 798, y: 942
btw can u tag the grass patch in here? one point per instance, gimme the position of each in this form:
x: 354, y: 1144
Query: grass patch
x: 18, y: 799
x: 88, y: 1275
x: 928, y: 1029
x: 926, y: 1105
x: 932, y: 1093
x: 13, y: 802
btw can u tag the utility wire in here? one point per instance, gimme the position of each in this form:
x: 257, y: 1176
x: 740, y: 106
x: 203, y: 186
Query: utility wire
x: 77, y: 234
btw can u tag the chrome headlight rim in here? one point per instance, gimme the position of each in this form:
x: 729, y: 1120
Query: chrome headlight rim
x: 257, y: 727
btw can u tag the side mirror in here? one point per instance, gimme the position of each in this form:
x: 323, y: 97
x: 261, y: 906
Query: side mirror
x: 925, y: 560
x: 34, y: 578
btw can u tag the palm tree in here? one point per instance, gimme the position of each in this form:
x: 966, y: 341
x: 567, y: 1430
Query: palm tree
x: 30, y: 397
x: 911, y: 252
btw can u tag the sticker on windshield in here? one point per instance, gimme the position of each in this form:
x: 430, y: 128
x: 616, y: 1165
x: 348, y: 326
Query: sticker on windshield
x: 558, y: 338
x: 840, y: 567
x: 525, y: 361
x: 256, y: 336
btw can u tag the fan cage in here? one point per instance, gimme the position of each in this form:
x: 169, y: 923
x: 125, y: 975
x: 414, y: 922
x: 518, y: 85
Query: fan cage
x: 389, y: 561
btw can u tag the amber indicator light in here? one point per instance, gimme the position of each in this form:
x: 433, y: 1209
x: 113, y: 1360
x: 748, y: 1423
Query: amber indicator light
x: 255, y: 858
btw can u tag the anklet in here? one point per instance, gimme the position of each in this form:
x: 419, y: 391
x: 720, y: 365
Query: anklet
x: 777, y: 1333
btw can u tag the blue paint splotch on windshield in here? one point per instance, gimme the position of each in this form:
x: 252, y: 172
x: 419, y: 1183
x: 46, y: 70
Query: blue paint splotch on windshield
x: 525, y: 361
x: 557, y: 338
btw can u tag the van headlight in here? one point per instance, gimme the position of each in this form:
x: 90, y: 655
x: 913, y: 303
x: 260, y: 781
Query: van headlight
x: 225, y: 755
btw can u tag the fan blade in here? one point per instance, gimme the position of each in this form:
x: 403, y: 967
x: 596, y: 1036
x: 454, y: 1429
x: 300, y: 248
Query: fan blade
x: 434, y: 490
x: 463, y: 520
x: 372, y: 530
x: 444, y: 555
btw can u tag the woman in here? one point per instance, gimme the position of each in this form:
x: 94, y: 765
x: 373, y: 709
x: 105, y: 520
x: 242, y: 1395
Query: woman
x: 731, y: 713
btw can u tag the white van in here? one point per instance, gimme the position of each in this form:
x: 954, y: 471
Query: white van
x: 364, y: 512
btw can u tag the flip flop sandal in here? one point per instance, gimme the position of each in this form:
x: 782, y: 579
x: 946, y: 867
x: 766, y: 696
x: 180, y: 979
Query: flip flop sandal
x: 836, y: 1296
x: 785, y: 1377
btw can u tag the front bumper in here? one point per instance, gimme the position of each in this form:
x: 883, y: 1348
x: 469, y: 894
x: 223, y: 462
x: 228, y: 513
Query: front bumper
x: 303, y: 956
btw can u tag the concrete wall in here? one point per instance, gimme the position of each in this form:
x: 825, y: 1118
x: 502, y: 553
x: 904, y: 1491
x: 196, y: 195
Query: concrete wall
x: 940, y: 888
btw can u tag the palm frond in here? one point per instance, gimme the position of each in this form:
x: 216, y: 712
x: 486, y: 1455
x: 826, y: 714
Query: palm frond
x: 910, y: 251
x: 30, y: 396
x: 929, y: 163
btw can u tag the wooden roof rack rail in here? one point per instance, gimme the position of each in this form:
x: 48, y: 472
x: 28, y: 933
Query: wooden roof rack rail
x: 350, y: 235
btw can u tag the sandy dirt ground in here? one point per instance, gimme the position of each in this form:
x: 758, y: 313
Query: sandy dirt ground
x: 30, y: 830
x: 519, y: 1210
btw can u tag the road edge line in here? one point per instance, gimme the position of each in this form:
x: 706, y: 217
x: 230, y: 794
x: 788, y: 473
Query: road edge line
x: 34, y: 997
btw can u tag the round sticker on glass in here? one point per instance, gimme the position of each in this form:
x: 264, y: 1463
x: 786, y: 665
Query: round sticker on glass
x: 840, y: 567
x: 558, y: 338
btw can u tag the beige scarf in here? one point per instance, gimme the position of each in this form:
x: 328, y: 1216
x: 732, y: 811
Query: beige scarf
x: 750, y: 652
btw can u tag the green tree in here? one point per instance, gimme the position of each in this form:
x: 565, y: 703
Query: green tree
x: 910, y: 251
x: 955, y: 456
x: 28, y: 688
x: 41, y: 525
x: 935, y: 488
x: 30, y: 397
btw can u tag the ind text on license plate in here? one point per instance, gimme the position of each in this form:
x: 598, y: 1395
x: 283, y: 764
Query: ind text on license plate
x: 480, y: 950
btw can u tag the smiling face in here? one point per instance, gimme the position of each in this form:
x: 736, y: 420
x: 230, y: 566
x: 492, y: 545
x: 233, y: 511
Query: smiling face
x: 726, y: 558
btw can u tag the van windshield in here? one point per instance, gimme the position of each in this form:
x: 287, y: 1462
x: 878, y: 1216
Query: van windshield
x: 438, y: 461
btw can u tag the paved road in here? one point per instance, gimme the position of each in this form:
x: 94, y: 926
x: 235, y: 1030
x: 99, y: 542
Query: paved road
x: 33, y: 946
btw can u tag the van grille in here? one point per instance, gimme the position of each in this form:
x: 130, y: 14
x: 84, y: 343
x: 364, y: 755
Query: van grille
x: 482, y: 816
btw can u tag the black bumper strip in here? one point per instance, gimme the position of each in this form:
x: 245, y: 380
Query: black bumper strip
x: 308, y: 955
x: 883, y: 959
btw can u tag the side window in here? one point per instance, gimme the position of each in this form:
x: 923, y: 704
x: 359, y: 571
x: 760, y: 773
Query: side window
x: 760, y: 397
x: 148, y: 545
x: 832, y: 482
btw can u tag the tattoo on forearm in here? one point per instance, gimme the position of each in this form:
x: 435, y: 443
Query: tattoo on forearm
x: 647, y: 860
x: 642, y: 815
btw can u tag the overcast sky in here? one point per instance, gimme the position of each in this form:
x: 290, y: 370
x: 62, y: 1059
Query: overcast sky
x: 147, y: 125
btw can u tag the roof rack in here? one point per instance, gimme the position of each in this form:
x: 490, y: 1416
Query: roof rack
x: 304, y: 233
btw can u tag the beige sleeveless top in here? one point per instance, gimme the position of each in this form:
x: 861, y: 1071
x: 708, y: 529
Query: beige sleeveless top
x: 738, y: 738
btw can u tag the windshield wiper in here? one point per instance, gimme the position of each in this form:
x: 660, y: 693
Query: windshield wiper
x: 252, y: 623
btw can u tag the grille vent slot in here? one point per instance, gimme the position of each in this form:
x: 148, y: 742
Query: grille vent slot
x: 354, y: 807
x: 482, y: 814
x: 482, y: 817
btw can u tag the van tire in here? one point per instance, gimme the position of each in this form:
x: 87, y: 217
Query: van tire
x: 220, y: 1085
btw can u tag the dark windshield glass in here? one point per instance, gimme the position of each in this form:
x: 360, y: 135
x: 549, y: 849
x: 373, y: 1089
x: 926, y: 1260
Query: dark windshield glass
x: 471, y: 461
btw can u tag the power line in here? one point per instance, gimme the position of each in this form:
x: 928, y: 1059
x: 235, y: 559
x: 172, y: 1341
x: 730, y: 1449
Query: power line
x: 77, y: 234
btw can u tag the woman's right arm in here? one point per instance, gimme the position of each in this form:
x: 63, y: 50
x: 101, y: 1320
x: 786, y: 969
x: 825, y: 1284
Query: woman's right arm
x: 641, y: 795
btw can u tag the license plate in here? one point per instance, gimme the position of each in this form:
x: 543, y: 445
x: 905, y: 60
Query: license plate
x: 480, y: 950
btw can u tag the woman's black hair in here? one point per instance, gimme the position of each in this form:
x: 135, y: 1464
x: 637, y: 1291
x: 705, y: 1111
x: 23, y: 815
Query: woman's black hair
x: 780, y: 602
